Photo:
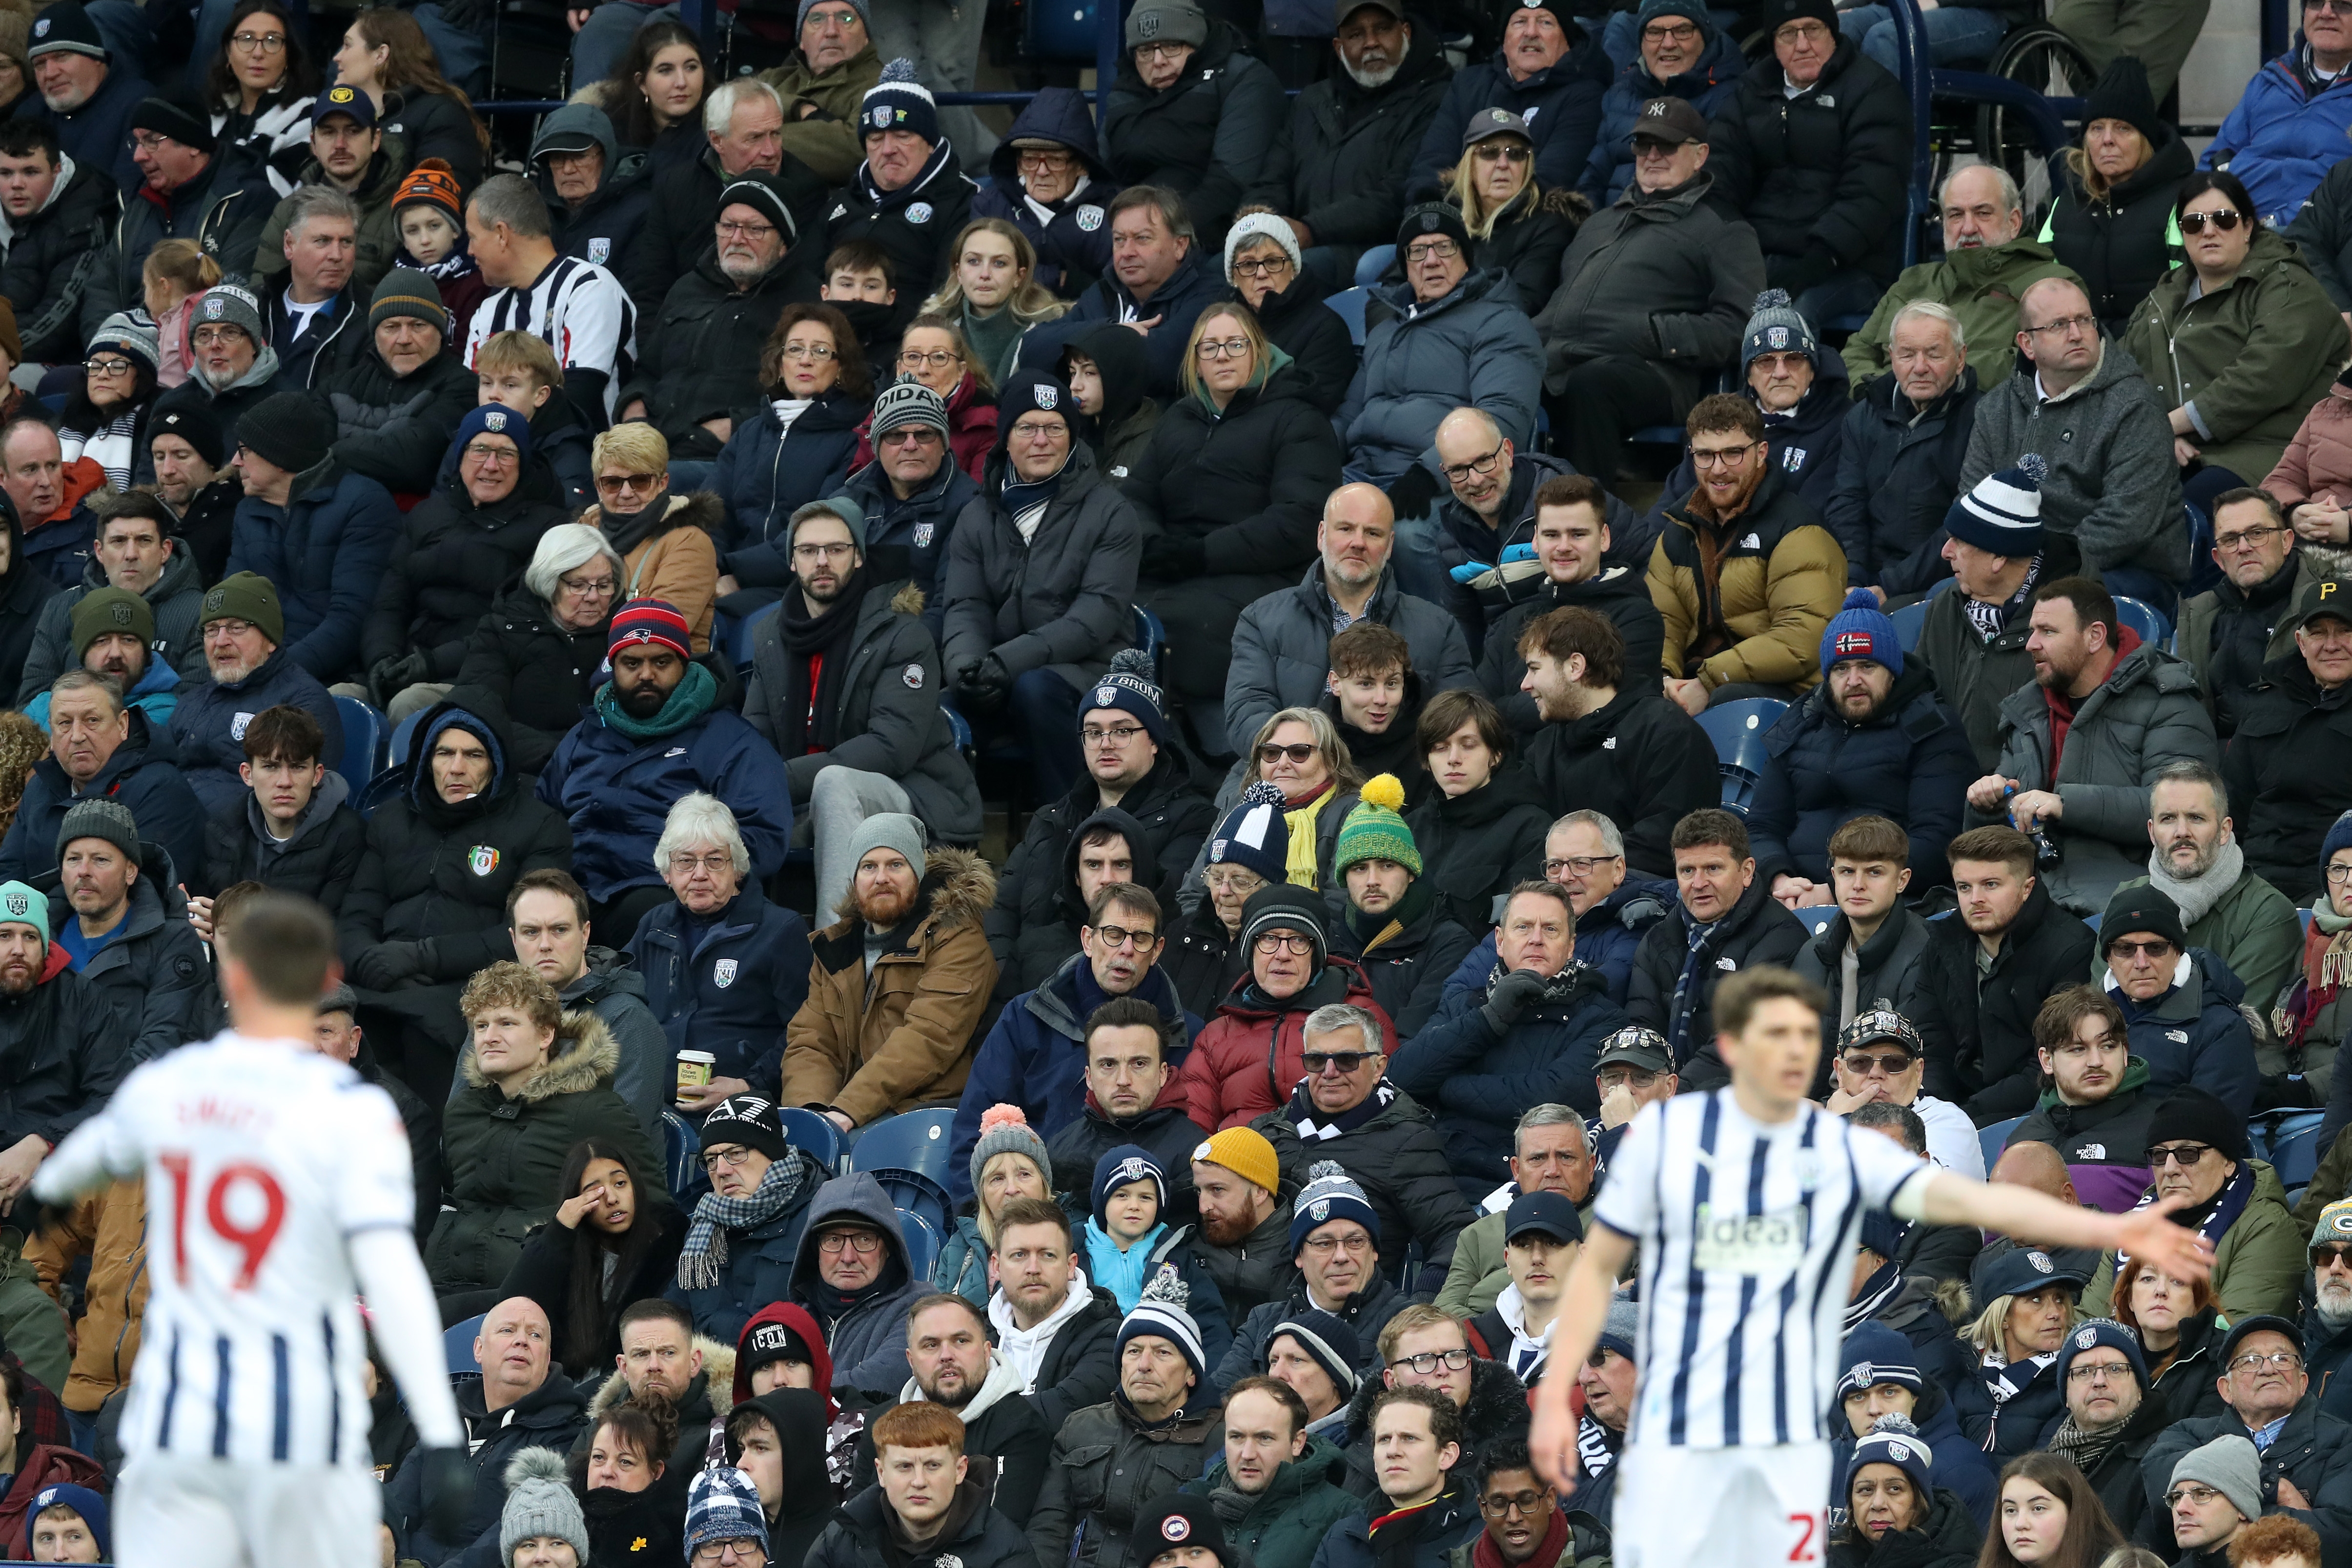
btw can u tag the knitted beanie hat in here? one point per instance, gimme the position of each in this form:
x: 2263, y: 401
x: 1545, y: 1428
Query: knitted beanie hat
x: 1621, y: 1331
x: 2122, y: 92
x: 1167, y: 1321
x: 131, y: 333
x: 246, y: 596
x: 895, y: 831
x: 1255, y: 835
x: 2097, y: 1332
x: 722, y: 1504
x: 1004, y: 1130
x: 1128, y: 686
x: 2002, y: 516
x: 405, y: 291
x: 750, y: 1119
x: 2142, y: 908
x: 540, y: 1502
x: 494, y: 419
x: 1328, y: 1342
x: 21, y: 905
x: 92, y: 1507
x: 649, y: 621
x: 109, y: 610
x: 899, y: 103
x: 1777, y: 328
x: 1375, y: 830
x: 800, y: 15
x: 433, y: 182
x: 99, y: 817
x: 1893, y: 1440
x: 1166, y: 21
x: 67, y: 29
x: 290, y: 430
x: 1258, y: 226
x: 1696, y: 14
x: 2192, y: 1115
x: 2339, y: 837
x: 1119, y: 1165
x: 197, y: 425
x: 231, y: 306
x: 1179, y: 1519
x: 1244, y: 1152
x: 1330, y: 1194
x: 1861, y: 630
x: 2230, y: 1464
x: 908, y: 402
x: 849, y: 513
x: 1282, y: 907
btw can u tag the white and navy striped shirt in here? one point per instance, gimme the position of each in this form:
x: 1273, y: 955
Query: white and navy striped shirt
x: 1747, y: 1234
x: 261, y: 1159
x: 575, y: 308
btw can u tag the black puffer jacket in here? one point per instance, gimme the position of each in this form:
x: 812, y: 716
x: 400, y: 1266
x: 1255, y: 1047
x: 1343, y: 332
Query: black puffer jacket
x: 1247, y: 484
x: 1481, y: 844
x: 319, y: 861
x: 1401, y: 1161
x: 1821, y: 176
x: 1321, y: 349
x: 550, y: 1416
x: 2286, y: 774
x: 1621, y: 593
x: 52, y: 258
x: 1058, y: 600
x: 2122, y: 244
x: 1638, y: 761
x: 1205, y: 136
x: 917, y: 250
x: 1529, y: 238
x: 1341, y: 169
x: 1406, y: 961
x: 1947, y: 1538
x: 540, y: 674
x: 676, y: 229
x: 2044, y: 951
x: 1757, y: 930
x: 396, y: 429
x: 698, y: 358
x: 1898, y: 469
x: 442, y: 575
x: 436, y: 876
x: 1202, y: 960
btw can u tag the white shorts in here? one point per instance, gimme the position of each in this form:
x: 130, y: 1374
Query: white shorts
x: 173, y: 1510
x: 1725, y: 1508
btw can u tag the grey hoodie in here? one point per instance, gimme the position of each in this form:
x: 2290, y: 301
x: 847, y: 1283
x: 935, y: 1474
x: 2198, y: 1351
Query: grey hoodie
x: 868, y: 1337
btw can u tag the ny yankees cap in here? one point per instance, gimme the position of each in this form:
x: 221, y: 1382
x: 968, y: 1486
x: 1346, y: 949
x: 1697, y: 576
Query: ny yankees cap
x: 1671, y: 121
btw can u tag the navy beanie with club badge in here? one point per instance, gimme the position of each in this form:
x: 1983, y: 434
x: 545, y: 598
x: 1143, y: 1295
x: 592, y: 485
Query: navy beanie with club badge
x: 1255, y: 835
x: 1128, y: 686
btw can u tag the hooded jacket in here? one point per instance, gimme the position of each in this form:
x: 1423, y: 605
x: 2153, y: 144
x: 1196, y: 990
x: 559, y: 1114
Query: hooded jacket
x: 1908, y: 762
x: 2281, y: 136
x: 1756, y: 930
x: 1639, y: 761
x: 1480, y: 1079
x: 540, y: 673
x: 1059, y: 600
x: 887, y: 714
x: 1982, y: 285
x: 1897, y: 473
x: 143, y: 775
x: 506, y: 1152
x: 2043, y: 951
x: 1072, y: 236
x: 2247, y: 360
x: 1207, y: 136
x: 438, y: 581
x: 54, y: 256
x: 2193, y: 1035
x: 326, y: 552
x: 1777, y: 578
x: 319, y: 860
x: 1281, y: 1524
x: 1282, y: 649
x: 700, y: 358
x: 978, y: 1532
x: 2104, y: 1144
x: 693, y: 968
x: 155, y: 971
x: 1705, y: 87
x: 208, y: 737
x: 867, y: 1336
x: 550, y: 1416
x: 871, y: 1044
x: 1473, y: 347
x: 805, y: 1506
x: 1108, y: 1466
x: 916, y: 243
x: 395, y: 428
x: 1120, y: 432
x: 2122, y: 244
x: 2143, y: 716
x: 1404, y: 1163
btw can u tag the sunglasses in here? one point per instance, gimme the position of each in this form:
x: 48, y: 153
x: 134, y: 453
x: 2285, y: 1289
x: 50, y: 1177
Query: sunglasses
x: 2225, y: 220
x: 1268, y: 755
x: 1315, y: 1062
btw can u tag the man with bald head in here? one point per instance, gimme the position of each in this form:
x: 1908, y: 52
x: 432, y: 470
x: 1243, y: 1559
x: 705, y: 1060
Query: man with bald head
x: 2042, y: 1169
x: 2111, y: 487
x: 509, y: 1404
x: 1281, y: 645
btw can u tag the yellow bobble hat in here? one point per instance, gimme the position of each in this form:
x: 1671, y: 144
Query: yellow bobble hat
x: 1244, y: 1152
x: 1375, y: 830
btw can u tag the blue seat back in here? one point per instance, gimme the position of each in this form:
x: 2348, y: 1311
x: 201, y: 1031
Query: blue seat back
x: 916, y: 1141
x: 682, y: 1157
x: 1151, y: 636
x: 404, y: 737
x: 1816, y: 918
x: 458, y: 1344
x: 1348, y: 305
x: 959, y: 727
x: 1372, y: 263
x: 1995, y: 1138
x: 812, y: 1134
x: 1737, y: 730
x: 739, y: 645
x: 912, y: 1192
x: 384, y: 786
x: 2146, y: 620
x: 2294, y: 1149
x: 1909, y: 623
x: 364, y: 729
x: 924, y: 1242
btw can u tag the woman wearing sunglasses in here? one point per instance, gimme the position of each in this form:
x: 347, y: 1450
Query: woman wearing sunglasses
x: 1515, y: 224
x: 2238, y: 341
x: 666, y: 543
x: 1299, y: 751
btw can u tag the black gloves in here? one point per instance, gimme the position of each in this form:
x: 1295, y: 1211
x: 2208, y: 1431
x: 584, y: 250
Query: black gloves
x: 1411, y: 493
x: 1511, y: 998
x: 1175, y: 559
x: 389, y: 964
x: 985, y: 686
x: 397, y: 674
x: 446, y: 1479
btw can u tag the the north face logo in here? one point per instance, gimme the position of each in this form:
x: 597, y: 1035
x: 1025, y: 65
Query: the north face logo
x: 2092, y: 1151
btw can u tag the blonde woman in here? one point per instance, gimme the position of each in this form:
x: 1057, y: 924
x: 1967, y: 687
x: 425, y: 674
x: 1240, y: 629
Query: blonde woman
x: 1008, y: 1163
x: 992, y: 294
x: 2030, y: 1304
x: 1514, y: 224
x: 666, y: 543
x: 1299, y: 752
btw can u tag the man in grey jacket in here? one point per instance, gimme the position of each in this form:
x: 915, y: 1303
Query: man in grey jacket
x: 2112, y: 485
x: 854, y: 1277
x: 547, y: 916
x: 1282, y: 643
x: 2080, y: 747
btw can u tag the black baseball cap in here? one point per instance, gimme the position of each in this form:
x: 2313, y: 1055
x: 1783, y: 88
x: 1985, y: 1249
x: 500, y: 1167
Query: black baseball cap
x: 1545, y: 1213
x: 1672, y: 121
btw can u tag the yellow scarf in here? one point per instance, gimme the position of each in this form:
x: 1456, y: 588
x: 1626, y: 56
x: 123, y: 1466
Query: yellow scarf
x: 1299, y: 864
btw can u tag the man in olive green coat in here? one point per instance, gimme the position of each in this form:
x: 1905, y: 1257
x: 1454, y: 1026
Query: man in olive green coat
x: 823, y: 85
x: 2236, y: 1203
x: 2225, y: 908
x: 1548, y: 1153
x: 1988, y: 265
x: 1277, y: 1491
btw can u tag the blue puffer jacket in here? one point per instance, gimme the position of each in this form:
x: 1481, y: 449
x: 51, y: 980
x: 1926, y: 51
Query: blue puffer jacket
x: 766, y: 474
x: 728, y: 987
x: 1560, y: 103
x: 759, y: 1268
x: 1910, y: 762
x: 617, y: 793
x: 2193, y: 1035
x: 1474, y: 348
x: 2281, y: 137
x: 1705, y: 85
x: 1035, y: 1058
x: 1478, y: 1083
x: 208, y: 728
x: 1606, y: 937
x: 324, y: 552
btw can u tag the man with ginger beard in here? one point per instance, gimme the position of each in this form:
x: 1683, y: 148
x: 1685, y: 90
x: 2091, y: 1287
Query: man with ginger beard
x: 1244, y: 1236
x: 957, y: 1368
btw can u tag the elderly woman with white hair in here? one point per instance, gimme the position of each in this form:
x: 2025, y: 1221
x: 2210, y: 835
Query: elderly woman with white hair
x: 541, y: 649
x: 725, y: 969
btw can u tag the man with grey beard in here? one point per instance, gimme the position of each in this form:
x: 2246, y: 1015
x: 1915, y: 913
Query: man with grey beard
x: 2327, y: 1310
x: 701, y: 358
x: 2225, y: 907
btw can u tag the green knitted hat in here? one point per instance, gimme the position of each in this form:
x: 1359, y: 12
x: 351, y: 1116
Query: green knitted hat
x: 1374, y: 831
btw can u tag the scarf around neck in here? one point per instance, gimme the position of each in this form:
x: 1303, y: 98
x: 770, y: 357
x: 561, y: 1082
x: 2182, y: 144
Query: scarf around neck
x: 625, y: 531
x: 2197, y: 897
x: 1314, y: 1128
x: 2086, y: 1449
x: 693, y: 698
x: 1687, y: 986
x: 827, y: 638
x: 2336, y: 960
x: 1019, y: 496
x: 702, y: 1262
x: 2214, y: 1220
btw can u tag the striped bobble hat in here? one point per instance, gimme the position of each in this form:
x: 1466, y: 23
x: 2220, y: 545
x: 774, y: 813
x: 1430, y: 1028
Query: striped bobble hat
x: 1375, y: 831
x: 899, y: 103
x: 1253, y: 834
x: 1893, y: 1440
x: 2002, y: 516
x: 651, y: 621
x: 1861, y: 630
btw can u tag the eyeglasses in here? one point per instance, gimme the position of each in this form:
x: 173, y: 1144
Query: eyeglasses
x: 745, y: 231
x: 2341, y: 7
x: 2066, y: 326
x: 749, y: 1554
x: 823, y: 552
x: 1044, y: 159
x: 2247, y: 538
x: 1721, y: 457
x: 1575, y: 865
x: 1267, y: 756
x: 1159, y: 52
x: 635, y: 484
x: 109, y: 367
x: 1527, y: 1504
x: 211, y: 337
x: 496, y: 457
x: 266, y: 43
x: 1224, y: 349
x: 1458, y: 472
x: 1233, y: 879
x: 1669, y: 33
x: 1284, y: 942
x: 1324, y: 1246
x: 2331, y: 1254
x: 1119, y: 733
x: 596, y: 587
x: 831, y: 19
x: 820, y: 352
x: 1503, y: 152
x: 1315, y: 1062
x: 1866, y: 1062
x: 2103, y: 1372
x: 1263, y: 266
x: 2182, y: 1155
x: 731, y: 1156
x: 861, y: 1242
x: 2339, y: 874
x: 2222, y: 221
x: 1039, y: 429
x: 683, y: 862
x: 226, y: 628
x: 2255, y: 1360
x: 1421, y: 251
x: 1120, y: 936
x: 1429, y: 1361
x: 937, y: 360
x: 2157, y: 948
x: 2200, y: 1496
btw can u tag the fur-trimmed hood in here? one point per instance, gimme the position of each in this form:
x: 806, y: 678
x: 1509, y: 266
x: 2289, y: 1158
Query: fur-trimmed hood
x: 717, y: 1372
x: 1498, y: 1404
x: 585, y: 1054
x: 958, y: 889
x: 699, y: 508
x: 908, y: 600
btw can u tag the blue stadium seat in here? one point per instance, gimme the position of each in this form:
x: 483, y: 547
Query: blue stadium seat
x: 1372, y: 263
x: 2294, y: 1149
x: 404, y: 737
x: 2146, y: 620
x: 1737, y: 730
x: 364, y: 729
x: 958, y: 727
x: 915, y: 1141
x: 1349, y: 305
x: 1995, y: 1138
x: 912, y: 1192
x: 458, y: 1344
x: 1817, y: 917
x: 380, y: 788
x: 1941, y: 583
x: 682, y: 1157
x: 1151, y: 636
x: 812, y: 1134
x: 1659, y: 435
x: 924, y: 1243
x: 1909, y: 623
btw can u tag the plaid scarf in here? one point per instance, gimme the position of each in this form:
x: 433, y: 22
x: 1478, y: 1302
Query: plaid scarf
x: 703, y: 1260
x: 2086, y: 1449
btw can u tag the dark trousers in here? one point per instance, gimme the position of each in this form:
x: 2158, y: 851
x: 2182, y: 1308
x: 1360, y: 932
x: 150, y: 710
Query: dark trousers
x: 1604, y: 401
x: 617, y: 922
x: 1042, y: 714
